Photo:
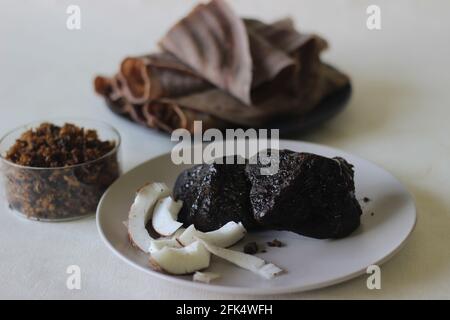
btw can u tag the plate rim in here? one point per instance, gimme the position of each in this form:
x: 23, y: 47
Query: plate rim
x: 249, y: 290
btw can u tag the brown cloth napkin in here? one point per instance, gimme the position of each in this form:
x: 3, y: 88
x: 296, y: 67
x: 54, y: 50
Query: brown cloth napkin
x: 223, y: 70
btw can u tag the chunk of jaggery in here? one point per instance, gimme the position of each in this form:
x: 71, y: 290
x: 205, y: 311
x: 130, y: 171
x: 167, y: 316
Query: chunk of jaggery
x: 311, y: 195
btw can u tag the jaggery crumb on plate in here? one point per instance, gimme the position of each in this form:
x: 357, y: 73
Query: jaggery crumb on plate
x: 275, y: 243
x: 251, y: 248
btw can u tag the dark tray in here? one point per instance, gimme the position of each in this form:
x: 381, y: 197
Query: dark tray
x: 327, y: 109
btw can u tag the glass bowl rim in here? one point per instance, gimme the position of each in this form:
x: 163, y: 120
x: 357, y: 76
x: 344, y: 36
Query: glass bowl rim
x: 66, y: 120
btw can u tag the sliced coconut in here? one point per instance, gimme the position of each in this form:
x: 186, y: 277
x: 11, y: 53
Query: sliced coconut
x: 181, y: 260
x: 243, y: 260
x: 141, y: 212
x: 240, y: 259
x: 171, y: 242
x: 269, y: 271
x: 223, y: 237
x: 164, y: 219
x: 205, y: 277
x: 159, y: 244
x: 178, y: 233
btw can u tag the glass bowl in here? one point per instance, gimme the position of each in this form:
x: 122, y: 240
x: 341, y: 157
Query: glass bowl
x: 59, y: 193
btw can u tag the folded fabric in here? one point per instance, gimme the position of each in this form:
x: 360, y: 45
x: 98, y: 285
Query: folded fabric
x: 223, y: 70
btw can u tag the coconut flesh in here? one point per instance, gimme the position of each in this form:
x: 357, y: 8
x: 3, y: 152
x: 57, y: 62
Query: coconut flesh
x: 205, y: 277
x: 243, y: 260
x: 179, y: 261
x: 184, y: 251
x: 165, y: 215
x: 141, y: 212
x: 172, y: 242
x: 223, y: 237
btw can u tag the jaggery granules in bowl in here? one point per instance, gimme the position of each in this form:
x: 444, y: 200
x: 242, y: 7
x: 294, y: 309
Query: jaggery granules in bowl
x: 55, y: 171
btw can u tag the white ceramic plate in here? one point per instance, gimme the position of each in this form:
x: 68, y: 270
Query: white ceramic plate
x: 387, y: 221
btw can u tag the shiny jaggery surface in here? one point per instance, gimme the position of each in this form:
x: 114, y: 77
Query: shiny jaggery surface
x: 62, y: 191
x: 310, y: 195
x: 214, y: 194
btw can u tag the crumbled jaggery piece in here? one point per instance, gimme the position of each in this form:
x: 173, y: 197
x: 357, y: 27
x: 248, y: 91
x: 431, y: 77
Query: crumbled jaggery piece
x: 50, y: 146
x: 275, y: 243
x: 64, y: 190
x: 251, y: 248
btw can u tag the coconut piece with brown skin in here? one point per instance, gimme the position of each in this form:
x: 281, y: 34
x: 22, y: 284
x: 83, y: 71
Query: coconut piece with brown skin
x: 141, y: 212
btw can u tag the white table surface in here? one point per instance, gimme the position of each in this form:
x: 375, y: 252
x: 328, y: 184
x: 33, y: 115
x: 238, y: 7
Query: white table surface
x: 398, y: 117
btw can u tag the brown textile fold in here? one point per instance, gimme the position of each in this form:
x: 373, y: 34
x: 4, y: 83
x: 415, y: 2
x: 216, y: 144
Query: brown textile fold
x: 228, y: 108
x: 162, y: 115
x: 213, y: 41
x: 158, y: 75
x: 223, y: 70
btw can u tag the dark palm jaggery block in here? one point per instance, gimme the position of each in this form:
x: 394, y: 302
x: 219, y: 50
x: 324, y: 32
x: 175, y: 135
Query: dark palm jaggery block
x: 187, y: 189
x: 214, y: 194
x: 311, y: 195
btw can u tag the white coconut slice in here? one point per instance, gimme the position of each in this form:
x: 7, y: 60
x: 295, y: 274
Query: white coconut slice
x: 269, y: 271
x: 243, y: 260
x: 205, y: 277
x: 171, y: 242
x: 164, y: 219
x: 141, y: 212
x: 223, y: 237
x: 178, y: 233
x: 181, y: 260
x: 159, y: 244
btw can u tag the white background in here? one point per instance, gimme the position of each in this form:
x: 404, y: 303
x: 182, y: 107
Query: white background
x: 398, y: 117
